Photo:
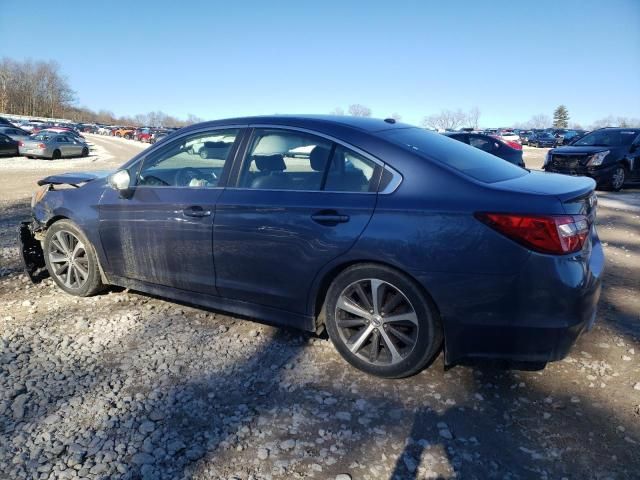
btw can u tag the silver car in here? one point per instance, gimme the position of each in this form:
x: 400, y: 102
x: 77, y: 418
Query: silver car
x: 53, y: 146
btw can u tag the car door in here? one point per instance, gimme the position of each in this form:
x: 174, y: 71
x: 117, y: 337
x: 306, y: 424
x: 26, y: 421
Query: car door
x: 634, y: 156
x: 299, y: 201
x: 6, y: 145
x: 162, y: 232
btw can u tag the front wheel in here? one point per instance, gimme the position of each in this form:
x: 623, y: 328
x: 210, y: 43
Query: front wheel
x: 71, y: 260
x: 85, y: 152
x: 381, y: 321
x: 618, y: 177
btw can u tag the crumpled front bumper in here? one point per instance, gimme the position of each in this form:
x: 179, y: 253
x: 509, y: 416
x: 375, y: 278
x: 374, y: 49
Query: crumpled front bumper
x: 31, y: 251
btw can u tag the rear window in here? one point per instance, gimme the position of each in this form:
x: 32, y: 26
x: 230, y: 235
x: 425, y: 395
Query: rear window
x: 469, y: 160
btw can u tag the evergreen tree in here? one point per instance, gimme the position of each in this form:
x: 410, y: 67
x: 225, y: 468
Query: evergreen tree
x: 561, y: 117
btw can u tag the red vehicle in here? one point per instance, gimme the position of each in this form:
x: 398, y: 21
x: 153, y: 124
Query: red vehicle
x: 143, y: 135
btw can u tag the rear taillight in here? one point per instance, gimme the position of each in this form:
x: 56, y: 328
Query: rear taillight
x: 513, y: 144
x: 554, y: 234
x: 21, y: 144
x: 42, y: 145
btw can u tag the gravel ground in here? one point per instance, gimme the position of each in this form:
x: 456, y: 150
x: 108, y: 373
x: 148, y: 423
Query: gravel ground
x: 125, y: 385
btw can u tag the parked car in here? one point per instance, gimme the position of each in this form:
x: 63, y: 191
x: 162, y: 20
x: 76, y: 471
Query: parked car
x: 8, y: 146
x: 611, y: 156
x: 14, y: 132
x: 541, y: 139
x: 125, y: 132
x: 508, y: 135
x: 524, y: 136
x: 391, y: 237
x: 4, y: 121
x: 143, y: 134
x: 511, y: 152
x: 53, y: 145
x: 160, y: 134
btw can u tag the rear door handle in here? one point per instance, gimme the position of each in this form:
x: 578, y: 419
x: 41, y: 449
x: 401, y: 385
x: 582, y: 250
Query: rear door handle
x: 329, y: 217
x: 196, y: 211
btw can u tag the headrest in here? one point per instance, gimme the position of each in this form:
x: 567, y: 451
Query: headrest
x: 270, y: 163
x: 318, y: 158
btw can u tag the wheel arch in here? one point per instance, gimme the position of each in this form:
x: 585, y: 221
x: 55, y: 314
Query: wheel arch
x: 56, y: 218
x: 325, y: 279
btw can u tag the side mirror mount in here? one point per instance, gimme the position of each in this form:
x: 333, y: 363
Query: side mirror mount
x: 121, y: 182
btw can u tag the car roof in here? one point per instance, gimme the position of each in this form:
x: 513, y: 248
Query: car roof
x: 367, y: 124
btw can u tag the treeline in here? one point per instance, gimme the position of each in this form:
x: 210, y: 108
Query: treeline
x: 34, y: 89
x: 39, y: 89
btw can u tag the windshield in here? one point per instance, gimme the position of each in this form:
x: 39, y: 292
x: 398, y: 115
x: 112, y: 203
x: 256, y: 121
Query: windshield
x: 464, y: 158
x: 608, y: 138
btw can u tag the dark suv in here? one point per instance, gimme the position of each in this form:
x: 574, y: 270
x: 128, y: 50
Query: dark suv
x: 611, y: 156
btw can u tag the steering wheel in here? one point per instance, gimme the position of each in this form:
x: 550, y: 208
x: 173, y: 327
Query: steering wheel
x: 186, y: 174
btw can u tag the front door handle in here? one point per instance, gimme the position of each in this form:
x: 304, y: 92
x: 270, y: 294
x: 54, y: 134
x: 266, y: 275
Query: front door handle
x: 329, y: 217
x: 196, y: 211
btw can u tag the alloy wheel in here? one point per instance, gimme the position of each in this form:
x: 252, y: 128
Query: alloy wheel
x: 617, y: 179
x: 68, y: 257
x: 376, y: 322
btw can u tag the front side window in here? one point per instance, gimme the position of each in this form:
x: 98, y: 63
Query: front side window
x: 192, y: 161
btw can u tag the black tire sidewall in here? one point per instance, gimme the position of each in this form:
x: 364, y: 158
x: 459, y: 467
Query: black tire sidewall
x: 429, y: 331
x: 94, y: 282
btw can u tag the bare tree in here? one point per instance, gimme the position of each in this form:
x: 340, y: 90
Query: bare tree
x: 539, y: 121
x: 357, y: 110
x: 473, y: 118
x: 445, y: 120
x: 337, y: 111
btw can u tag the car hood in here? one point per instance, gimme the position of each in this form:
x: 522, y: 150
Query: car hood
x: 572, y: 150
x: 74, y: 178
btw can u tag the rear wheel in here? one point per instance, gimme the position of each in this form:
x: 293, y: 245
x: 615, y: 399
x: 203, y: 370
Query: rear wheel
x: 85, y: 152
x: 381, y: 322
x: 56, y: 155
x: 618, y: 177
x: 70, y: 259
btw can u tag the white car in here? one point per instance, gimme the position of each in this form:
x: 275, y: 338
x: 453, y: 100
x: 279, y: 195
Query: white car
x: 509, y: 135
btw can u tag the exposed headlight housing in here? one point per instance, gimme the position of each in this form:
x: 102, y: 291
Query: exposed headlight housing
x: 38, y: 195
x: 596, y: 159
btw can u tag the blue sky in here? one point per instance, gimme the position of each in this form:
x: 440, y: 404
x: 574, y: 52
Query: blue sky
x: 219, y: 59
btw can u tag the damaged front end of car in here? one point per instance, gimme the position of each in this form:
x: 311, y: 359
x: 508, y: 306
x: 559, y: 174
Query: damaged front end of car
x: 31, y: 232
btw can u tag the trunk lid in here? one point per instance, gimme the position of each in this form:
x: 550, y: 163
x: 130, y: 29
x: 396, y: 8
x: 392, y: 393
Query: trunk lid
x: 577, y: 194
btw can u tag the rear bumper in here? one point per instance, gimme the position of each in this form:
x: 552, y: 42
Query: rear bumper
x: 533, y: 316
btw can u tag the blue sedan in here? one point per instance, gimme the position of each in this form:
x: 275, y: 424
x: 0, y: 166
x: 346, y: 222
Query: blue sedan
x: 398, y: 241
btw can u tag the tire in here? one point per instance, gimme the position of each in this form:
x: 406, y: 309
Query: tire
x: 618, y: 177
x: 56, y: 155
x: 403, y: 346
x: 63, y: 237
x: 85, y: 152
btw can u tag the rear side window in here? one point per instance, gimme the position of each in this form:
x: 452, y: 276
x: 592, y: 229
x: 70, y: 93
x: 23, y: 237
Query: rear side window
x: 280, y: 159
x: 350, y: 172
x: 469, y: 160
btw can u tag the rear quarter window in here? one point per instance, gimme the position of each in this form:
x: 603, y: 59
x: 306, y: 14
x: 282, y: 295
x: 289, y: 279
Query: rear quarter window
x: 468, y: 160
